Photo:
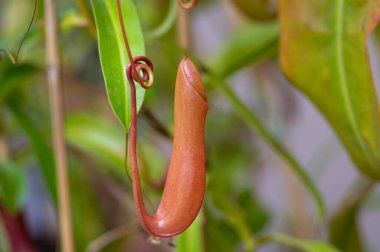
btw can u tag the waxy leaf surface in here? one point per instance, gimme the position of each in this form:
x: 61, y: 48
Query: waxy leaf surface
x: 324, y: 54
x: 113, y: 55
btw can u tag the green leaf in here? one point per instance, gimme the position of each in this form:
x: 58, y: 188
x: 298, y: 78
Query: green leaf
x: 98, y: 137
x: 191, y: 239
x: 235, y: 218
x: 253, y: 121
x: 262, y: 10
x: 71, y: 19
x: 113, y: 55
x: 43, y: 151
x: 303, y: 245
x: 315, y: 246
x: 14, y: 76
x: 166, y: 25
x: 324, y: 54
x: 104, y: 142
x: 219, y: 234
x: 253, y: 43
x: 256, y: 216
x: 344, y: 230
x: 86, y: 207
x: 13, y: 186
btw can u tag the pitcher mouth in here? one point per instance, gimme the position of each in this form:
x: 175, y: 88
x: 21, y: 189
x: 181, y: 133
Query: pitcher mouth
x: 193, y: 77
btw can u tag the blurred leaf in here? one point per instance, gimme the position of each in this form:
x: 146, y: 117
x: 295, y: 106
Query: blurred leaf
x: 13, y: 76
x: 251, y: 44
x: 88, y: 218
x: 43, y: 151
x: 72, y: 19
x: 85, y: 10
x: 245, y: 217
x: 84, y: 202
x: 166, y: 25
x: 234, y: 216
x: 259, y: 127
x: 373, y: 201
x: 102, y: 139
x: 344, y: 230
x: 230, y: 209
x: 228, y: 161
x: 316, y: 246
x: 13, y: 186
x: 324, y: 54
x: 219, y: 235
x: 113, y: 55
x: 303, y: 245
x: 257, y: 9
x: 255, y: 215
x: 191, y: 239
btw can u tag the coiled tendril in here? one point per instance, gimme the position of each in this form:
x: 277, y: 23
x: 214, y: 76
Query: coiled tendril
x: 138, y: 64
x: 141, y: 65
x: 187, y: 5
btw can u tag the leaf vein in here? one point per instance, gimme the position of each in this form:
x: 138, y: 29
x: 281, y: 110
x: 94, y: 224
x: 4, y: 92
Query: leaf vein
x: 342, y: 78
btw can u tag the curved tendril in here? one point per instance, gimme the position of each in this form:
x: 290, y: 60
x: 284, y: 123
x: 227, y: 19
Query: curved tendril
x: 145, y: 66
x: 187, y: 5
x: 138, y: 64
x: 166, y: 24
x: 14, y: 59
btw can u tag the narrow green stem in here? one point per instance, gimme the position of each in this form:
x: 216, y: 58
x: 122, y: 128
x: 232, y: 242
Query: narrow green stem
x: 166, y: 24
x: 279, y: 238
x: 253, y: 121
x: 302, y: 245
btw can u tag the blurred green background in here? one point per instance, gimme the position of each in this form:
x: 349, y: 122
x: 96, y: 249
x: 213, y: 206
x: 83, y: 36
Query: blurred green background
x: 250, y: 190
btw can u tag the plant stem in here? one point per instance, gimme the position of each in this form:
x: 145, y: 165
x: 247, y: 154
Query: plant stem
x: 56, y: 101
x: 110, y: 236
x: 280, y: 239
x: 183, y: 29
x: 166, y: 24
x: 253, y: 121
